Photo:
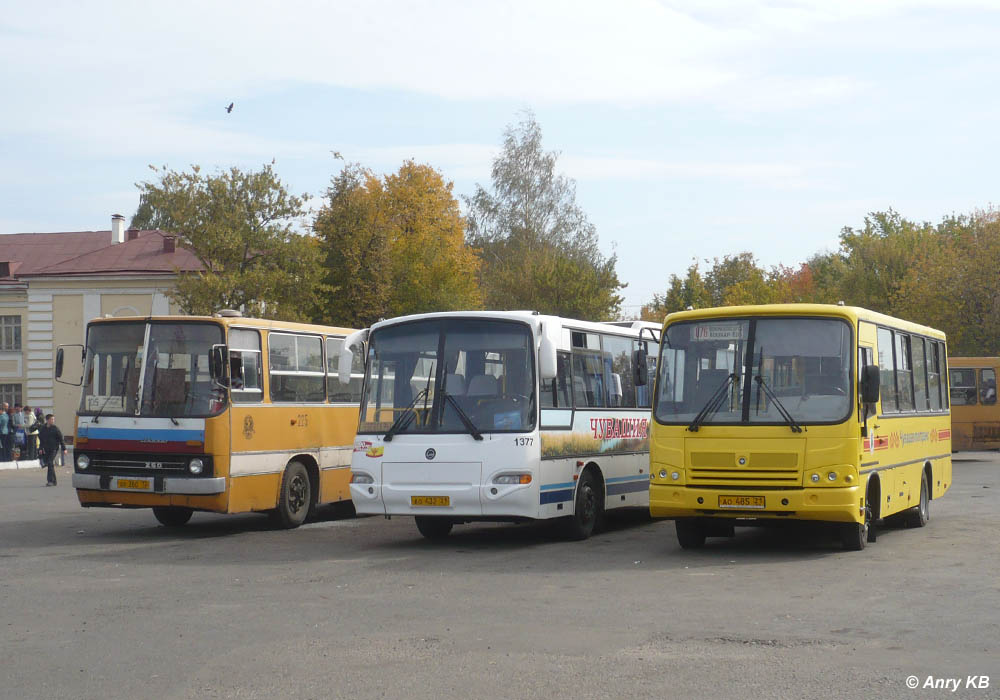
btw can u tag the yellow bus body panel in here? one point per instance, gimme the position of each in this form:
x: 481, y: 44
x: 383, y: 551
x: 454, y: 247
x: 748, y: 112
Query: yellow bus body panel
x: 975, y: 427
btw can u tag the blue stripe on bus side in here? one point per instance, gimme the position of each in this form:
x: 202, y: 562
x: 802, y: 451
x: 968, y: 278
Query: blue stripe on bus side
x: 556, y: 496
x: 627, y: 487
x: 550, y: 487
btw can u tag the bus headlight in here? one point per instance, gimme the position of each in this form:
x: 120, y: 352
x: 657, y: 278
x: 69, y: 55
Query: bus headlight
x: 359, y: 478
x: 663, y: 473
x: 814, y: 477
x: 82, y: 461
x: 195, y: 466
x: 512, y: 479
x: 832, y: 476
x: 675, y: 476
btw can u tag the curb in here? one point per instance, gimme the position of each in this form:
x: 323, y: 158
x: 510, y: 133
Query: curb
x: 26, y: 464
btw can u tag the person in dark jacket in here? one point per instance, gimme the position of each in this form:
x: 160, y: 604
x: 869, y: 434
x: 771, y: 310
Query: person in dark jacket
x: 50, y: 442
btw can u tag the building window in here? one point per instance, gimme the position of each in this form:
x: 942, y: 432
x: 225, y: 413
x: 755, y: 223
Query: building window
x: 10, y: 393
x: 10, y: 333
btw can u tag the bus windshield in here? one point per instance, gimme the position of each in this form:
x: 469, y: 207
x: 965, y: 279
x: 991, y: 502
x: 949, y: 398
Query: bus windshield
x: 163, y: 372
x: 755, y: 371
x: 449, y: 376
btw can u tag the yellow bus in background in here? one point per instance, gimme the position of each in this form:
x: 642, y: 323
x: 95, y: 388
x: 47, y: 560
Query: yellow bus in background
x: 222, y: 414
x: 797, y: 412
x: 975, y: 414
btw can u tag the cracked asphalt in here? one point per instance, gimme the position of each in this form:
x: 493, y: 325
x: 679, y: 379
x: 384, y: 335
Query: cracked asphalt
x: 108, y: 604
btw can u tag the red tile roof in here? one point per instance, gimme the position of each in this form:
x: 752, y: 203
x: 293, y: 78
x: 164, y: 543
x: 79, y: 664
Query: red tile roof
x: 90, y: 253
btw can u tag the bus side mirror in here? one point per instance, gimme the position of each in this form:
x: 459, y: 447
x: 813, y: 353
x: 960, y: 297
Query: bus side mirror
x: 61, y: 364
x: 640, y: 368
x: 870, y: 379
x: 217, y: 365
x: 346, y: 359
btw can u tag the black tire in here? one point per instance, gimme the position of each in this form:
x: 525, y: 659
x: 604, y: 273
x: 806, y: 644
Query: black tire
x: 690, y: 533
x: 172, y: 516
x: 295, y: 497
x: 434, y: 528
x: 919, y: 515
x: 854, y: 536
x: 588, y: 509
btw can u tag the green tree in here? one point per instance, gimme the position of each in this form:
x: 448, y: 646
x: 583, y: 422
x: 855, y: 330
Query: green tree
x: 239, y: 224
x: 538, y: 249
x: 394, y: 246
x: 957, y: 289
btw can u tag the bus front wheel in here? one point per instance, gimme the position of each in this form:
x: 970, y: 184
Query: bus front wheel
x: 690, y: 533
x: 588, y: 510
x: 172, y: 516
x: 854, y: 536
x: 295, y: 497
x: 434, y: 528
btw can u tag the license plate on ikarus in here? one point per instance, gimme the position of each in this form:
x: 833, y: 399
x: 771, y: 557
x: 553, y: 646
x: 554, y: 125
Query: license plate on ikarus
x: 430, y: 501
x: 741, y: 502
x: 134, y: 484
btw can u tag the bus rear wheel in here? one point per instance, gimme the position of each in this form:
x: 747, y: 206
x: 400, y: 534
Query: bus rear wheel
x: 295, y: 497
x: 172, y: 516
x: 918, y: 516
x: 434, y: 528
x: 690, y: 533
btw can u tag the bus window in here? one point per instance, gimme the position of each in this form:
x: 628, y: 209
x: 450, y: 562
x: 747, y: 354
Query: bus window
x: 887, y: 381
x: 590, y: 386
x: 934, y: 375
x: 963, y: 387
x: 619, y: 351
x: 296, y: 368
x: 555, y: 392
x: 987, y: 387
x: 244, y: 366
x: 904, y: 372
x: 919, y: 375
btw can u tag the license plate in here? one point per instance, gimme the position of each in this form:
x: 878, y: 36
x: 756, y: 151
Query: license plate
x: 741, y: 501
x: 134, y: 484
x: 430, y: 501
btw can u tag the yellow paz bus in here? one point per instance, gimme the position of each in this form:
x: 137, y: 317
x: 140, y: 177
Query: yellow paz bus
x: 797, y: 412
x: 223, y: 414
x: 975, y: 413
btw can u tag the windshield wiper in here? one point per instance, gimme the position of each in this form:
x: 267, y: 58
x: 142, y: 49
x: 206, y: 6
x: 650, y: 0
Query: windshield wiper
x: 796, y: 428
x: 713, y: 403
x: 470, y: 426
x: 405, y: 417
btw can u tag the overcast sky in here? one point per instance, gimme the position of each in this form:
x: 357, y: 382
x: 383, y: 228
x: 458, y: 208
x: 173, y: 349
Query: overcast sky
x: 694, y: 128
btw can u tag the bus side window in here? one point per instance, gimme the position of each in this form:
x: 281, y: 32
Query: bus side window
x: 555, y: 392
x: 988, y: 386
x: 244, y: 366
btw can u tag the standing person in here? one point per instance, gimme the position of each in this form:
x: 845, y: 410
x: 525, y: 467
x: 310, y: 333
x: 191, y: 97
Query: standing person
x: 5, y: 428
x: 50, y: 443
x: 31, y: 434
x: 18, y: 436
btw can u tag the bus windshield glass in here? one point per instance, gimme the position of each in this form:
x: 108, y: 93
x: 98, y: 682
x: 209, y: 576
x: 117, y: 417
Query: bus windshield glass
x: 168, y: 377
x: 449, y: 376
x: 755, y: 371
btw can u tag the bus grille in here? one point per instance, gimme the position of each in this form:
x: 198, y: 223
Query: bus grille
x: 151, y: 462
x: 759, y: 468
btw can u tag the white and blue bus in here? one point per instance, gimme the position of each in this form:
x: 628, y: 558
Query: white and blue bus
x: 501, y: 416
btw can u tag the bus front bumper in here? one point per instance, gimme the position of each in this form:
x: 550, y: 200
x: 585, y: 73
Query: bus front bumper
x: 830, y: 504
x: 171, y: 485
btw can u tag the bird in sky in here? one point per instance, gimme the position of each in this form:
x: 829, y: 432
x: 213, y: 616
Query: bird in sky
x: 229, y: 108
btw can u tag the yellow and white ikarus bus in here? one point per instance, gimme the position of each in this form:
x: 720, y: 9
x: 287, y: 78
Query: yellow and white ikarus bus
x: 501, y: 416
x: 798, y: 412
x: 222, y: 414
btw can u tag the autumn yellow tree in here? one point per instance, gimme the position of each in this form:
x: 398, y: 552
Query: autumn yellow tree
x: 394, y: 245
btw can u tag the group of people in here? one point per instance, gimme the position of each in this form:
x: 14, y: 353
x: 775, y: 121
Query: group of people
x: 26, y: 435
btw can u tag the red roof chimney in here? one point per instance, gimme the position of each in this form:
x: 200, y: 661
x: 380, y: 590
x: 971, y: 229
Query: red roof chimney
x: 169, y: 244
x: 131, y: 234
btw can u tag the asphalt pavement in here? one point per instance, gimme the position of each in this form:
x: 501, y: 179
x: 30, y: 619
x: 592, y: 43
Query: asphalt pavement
x: 108, y: 604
